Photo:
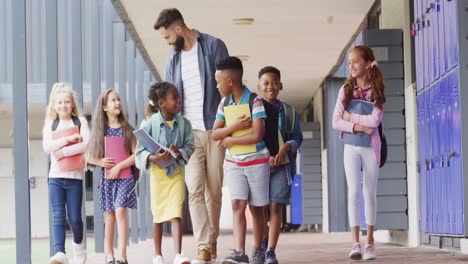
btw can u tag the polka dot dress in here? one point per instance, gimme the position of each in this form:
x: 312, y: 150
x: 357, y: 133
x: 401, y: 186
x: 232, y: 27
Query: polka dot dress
x: 115, y: 193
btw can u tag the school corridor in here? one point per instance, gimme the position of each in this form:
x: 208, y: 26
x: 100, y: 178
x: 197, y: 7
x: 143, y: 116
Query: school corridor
x: 420, y: 46
x: 305, y: 248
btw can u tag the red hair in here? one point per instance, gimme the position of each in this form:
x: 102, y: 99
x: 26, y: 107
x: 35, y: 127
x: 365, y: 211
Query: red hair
x: 374, y: 77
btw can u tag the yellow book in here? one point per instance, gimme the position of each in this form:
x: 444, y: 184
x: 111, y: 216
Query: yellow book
x: 231, y: 114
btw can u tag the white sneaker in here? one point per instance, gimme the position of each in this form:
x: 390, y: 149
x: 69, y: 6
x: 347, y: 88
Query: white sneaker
x: 80, y: 253
x: 59, y: 258
x: 369, y: 252
x: 355, y: 253
x: 158, y: 260
x: 181, y: 259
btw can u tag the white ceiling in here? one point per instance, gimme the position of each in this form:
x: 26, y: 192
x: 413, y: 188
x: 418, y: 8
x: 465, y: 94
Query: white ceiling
x: 295, y: 36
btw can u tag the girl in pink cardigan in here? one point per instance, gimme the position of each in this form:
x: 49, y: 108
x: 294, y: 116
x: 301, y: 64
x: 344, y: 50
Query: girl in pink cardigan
x: 364, y: 83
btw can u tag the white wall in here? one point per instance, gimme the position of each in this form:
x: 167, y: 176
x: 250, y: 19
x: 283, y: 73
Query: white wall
x: 39, y: 195
x: 396, y: 14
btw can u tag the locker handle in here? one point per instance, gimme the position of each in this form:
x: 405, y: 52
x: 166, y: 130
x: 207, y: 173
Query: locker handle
x: 449, y: 155
x: 428, y: 164
x: 428, y: 9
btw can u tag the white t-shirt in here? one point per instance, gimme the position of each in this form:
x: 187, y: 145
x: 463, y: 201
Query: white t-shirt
x: 193, y: 93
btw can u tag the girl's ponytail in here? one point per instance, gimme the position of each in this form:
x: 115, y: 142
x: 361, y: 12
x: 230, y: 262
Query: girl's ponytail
x: 377, y: 83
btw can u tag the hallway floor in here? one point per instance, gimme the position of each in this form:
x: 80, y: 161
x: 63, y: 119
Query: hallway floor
x: 295, y: 248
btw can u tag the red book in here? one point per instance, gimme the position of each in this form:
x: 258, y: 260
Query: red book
x: 75, y: 162
x: 115, y: 148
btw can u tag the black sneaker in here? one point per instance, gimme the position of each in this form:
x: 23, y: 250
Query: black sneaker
x: 258, y: 257
x: 236, y: 257
x: 270, y: 257
x: 265, y: 244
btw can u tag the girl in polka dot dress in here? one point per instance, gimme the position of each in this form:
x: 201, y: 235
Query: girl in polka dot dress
x: 116, y: 194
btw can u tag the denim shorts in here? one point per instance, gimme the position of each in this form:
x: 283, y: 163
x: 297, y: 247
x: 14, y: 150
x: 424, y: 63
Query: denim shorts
x: 248, y: 183
x: 280, y: 185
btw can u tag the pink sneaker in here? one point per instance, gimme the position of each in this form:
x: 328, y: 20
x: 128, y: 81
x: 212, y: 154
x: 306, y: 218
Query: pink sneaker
x: 355, y: 253
x: 369, y: 252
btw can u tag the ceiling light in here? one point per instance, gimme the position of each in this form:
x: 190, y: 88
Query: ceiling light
x: 243, y: 21
x: 243, y: 57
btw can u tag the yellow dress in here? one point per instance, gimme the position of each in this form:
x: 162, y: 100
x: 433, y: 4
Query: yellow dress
x: 167, y: 194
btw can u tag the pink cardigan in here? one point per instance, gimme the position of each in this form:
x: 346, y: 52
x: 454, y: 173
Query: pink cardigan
x: 373, y: 120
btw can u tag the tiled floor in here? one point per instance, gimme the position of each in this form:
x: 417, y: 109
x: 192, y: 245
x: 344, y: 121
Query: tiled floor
x: 295, y: 248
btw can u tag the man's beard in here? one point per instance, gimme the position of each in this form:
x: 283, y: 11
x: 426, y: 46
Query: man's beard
x: 179, y: 43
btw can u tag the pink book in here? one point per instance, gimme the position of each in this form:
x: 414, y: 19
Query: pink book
x: 115, y: 148
x: 75, y: 162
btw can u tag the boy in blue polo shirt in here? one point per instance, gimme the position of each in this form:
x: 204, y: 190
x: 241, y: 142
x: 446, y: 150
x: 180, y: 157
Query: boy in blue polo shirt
x: 247, y: 175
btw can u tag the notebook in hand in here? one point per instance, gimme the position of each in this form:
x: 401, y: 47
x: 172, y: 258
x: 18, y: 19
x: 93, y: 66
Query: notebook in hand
x: 358, y: 138
x: 115, y: 148
x: 75, y: 162
x: 232, y: 113
x: 152, y: 146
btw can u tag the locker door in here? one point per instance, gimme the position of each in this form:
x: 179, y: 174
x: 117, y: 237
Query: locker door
x: 457, y: 160
x: 434, y: 28
x: 442, y: 150
x: 419, y: 46
x: 430, y: 41
x: 425, y: 40
x: 436, y: 143
x: 449, y: 163
x: 428, y: 162
x: 441, y: 30
x: 421, y: 163
x: 453, y: 32
x: 448, y: 40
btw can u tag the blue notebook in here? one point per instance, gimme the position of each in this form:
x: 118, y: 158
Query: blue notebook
x: 152, y: 146
x: 360, y: 139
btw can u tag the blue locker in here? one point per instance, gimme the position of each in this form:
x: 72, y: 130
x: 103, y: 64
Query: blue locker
x: 418, y: 45
x: 447, y: 40
x: 437, y: 211
x: 434, y: 28
x: 425, y: 39
x: 442, y: 37
x: 296, y: 200
x: 436, y: 143
x: 443, y: 150
x: 421, y: 163
x: 430, y: 42
x: 453, y: 32
x: 451, y: 185
x: 458, y: 153
x: 429, y: 191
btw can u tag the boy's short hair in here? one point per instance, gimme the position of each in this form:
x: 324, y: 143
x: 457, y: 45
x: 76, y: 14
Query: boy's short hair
x: 269, y: 69
x: 167, y: 17
x: 230, y: 63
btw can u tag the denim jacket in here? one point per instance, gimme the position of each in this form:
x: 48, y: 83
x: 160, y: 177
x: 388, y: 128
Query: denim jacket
x: 168, y: 136
x: 210, y: 51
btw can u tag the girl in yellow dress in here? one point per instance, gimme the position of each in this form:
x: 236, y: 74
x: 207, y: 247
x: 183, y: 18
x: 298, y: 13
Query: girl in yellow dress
x: 173, y: 131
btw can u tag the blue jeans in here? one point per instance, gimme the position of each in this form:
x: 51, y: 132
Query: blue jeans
x: 69, y: 193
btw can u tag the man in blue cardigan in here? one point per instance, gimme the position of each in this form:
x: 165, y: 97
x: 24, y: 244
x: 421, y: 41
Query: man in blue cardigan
x: 191, y: 68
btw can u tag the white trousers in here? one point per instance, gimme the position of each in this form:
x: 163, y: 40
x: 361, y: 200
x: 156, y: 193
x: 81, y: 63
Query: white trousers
x: 355, y: 159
